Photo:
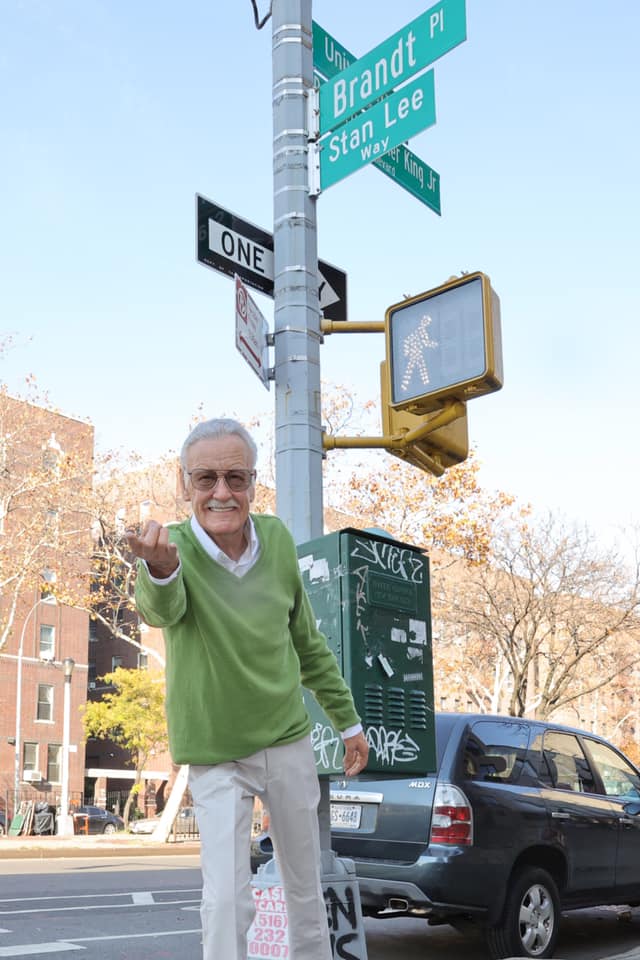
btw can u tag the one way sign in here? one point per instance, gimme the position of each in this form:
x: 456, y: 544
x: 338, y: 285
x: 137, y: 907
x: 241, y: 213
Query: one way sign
x: 230, y: 245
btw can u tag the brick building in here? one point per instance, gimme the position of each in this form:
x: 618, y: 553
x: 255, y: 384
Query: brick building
x: 46, y: 461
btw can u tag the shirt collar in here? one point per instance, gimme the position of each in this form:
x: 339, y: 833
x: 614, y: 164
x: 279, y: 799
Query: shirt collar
x: 244, y: 562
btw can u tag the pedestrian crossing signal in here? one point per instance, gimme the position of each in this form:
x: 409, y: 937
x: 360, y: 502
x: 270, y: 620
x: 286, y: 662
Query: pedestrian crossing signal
x: 444, y: 344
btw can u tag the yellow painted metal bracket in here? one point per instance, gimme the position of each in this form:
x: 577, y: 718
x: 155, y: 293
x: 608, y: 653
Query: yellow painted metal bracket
x: 399, y: 440
x: 349, y: 326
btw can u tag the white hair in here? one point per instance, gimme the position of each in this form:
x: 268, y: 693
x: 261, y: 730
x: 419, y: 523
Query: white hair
x: 214, y: 430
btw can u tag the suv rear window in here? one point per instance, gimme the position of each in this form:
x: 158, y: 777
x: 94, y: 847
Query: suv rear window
x: 496, y: 750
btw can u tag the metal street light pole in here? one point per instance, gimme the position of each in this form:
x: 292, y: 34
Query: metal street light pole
x: 298, y: 446
x: 64, y: 824
x: 18, y: 743
x: 298, y: 421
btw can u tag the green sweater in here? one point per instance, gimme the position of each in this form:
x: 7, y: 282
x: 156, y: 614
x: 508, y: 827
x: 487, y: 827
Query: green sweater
x: 238, y: 650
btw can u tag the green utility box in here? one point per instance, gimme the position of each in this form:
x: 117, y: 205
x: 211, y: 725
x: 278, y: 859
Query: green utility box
x: 370, y: 594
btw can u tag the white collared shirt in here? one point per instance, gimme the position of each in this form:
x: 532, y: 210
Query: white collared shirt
x: 238, y: 567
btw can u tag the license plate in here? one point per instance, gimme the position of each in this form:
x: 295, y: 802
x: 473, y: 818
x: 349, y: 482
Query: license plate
x: 346, y: 815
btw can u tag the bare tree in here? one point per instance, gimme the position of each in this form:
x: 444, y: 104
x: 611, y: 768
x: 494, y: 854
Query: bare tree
x: 556, y: 609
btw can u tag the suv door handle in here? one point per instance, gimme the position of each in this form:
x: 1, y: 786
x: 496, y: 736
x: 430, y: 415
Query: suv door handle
x: 561, y: 815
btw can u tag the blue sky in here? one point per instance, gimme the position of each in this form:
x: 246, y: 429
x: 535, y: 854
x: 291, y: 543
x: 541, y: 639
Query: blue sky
x: 114, y: 115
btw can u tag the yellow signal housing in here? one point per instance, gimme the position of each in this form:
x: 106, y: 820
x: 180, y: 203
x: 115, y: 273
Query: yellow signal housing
x: 431, y: 451
x: 444, y: 344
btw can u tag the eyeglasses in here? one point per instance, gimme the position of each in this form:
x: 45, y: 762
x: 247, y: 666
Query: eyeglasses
x: 236, y: 480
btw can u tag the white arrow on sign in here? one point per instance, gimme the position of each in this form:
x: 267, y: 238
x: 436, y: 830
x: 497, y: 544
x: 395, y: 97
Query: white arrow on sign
x: 231, y: 245
x: 246, y: 252
x: 326, y: 294
x: 251, y: 332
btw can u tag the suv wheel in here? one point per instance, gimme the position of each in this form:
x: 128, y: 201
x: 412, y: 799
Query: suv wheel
x: 109, y: 828
x: 529, y: 923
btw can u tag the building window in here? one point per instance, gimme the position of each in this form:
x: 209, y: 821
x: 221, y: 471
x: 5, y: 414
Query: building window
x: 143, y: 661
x: 52, y: 525
x: 54, y: 763
x: 92, y: 674
x: 51, y: 455
x: 29, y: 756
x: 47, y: 588
x: 45, y: 702
x: 47, y: 642
x: 116, y: 662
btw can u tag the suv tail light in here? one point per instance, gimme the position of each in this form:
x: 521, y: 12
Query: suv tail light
x: 452, y: 817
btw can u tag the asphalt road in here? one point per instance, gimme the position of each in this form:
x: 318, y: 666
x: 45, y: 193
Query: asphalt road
x: 139, y: 908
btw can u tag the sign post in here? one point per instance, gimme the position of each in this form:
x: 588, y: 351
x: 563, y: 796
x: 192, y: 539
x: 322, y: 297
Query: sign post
x: 298, y: 441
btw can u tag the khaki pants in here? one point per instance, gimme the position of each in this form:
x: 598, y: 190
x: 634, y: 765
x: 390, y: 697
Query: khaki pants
x: 285, y: 779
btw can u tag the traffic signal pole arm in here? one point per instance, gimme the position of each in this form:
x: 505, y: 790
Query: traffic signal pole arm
x: 349, y: 326
x: 401, y: 440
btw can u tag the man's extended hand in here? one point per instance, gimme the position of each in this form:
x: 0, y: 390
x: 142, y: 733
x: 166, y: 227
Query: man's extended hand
x: 356, y: 752
x: 153, y: 546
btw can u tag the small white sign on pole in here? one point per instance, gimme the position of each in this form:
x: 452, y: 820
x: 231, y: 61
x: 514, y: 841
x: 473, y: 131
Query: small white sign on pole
x: 251, y: 332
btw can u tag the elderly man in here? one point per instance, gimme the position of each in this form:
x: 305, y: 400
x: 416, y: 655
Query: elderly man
x: 241, y: 641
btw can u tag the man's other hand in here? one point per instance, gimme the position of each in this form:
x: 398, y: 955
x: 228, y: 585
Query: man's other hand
x: 356, y: 752
x: 153, y: 546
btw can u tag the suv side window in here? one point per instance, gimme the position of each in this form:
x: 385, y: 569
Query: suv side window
x: 620, y: 779
x: 565, y: 765
x: 496, y: 750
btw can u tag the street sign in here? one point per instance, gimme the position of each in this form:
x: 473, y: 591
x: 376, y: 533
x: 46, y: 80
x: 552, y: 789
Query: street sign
x: 392, y: 62
x: 251, y: 332
x: 231, y: 245
x: 400, y: 164
x: 373, y: 133
x: 413, y: 174
x: 329, y: 56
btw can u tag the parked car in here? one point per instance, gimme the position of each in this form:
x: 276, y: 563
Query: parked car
x: 96, y: 820
x: 184, y: 824
x: 3, y: 823
x: 521, y: 820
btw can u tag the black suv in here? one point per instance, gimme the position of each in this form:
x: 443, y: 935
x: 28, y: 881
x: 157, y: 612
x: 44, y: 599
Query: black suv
x: 521, y: 820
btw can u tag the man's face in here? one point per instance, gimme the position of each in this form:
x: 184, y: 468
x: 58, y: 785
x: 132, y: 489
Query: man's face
x: 220, y: 512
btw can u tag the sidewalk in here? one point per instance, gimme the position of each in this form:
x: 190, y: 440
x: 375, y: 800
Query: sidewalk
x: 113, y: 845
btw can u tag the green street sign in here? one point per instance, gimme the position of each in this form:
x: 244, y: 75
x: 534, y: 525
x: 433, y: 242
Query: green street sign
x: 392, y: 62
x: 329, y: 56
x: 413, y: 174
x: 400, y: 164
x: 378, y: 130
